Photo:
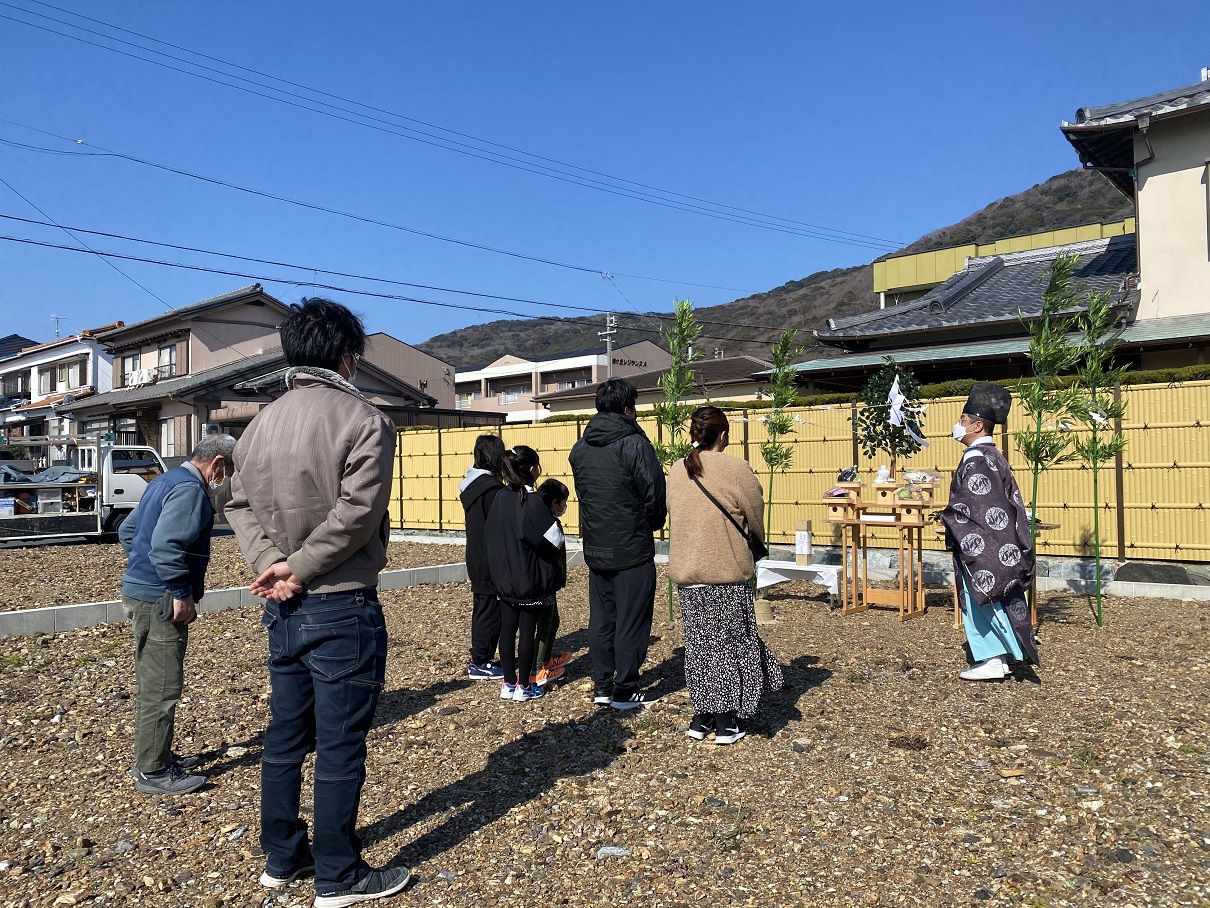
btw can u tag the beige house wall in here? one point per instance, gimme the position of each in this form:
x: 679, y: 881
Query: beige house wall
x: 420, y: 370
x: 1174, y: 217
x: 229, y: 334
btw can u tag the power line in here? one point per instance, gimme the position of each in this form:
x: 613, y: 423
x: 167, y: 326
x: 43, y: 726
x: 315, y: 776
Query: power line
x: 406, y: 118
x: 362, y: 277
x: 365, y: 219
x: 67, y: 230
x: 292, y: 282
x: 380, y: 125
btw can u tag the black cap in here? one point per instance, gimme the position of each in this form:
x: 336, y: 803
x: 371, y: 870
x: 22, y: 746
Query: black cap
x: 989, y: 402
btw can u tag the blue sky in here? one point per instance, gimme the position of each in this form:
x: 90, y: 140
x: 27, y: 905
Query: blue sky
x: 873, y: 119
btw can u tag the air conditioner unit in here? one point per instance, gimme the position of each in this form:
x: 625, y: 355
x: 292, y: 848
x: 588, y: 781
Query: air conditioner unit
x: 211, y: 428
x: 150, y: 376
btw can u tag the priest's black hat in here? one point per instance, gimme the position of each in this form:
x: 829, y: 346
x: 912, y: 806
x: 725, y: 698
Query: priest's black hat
x: 989, y: 402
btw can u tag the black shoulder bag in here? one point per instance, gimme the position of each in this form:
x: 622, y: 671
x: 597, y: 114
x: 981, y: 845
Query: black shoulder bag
x: 758, y: 549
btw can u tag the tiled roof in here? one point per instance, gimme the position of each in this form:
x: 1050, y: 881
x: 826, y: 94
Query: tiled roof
x: 1104, y: 136
x: 1157, y: 105
x: 990, y: 290
x: 276, y: 381
x: 13, y: 344
x: 181, y: 385
x: 55, y: 399
x: 709, y: 372
x: 189, y: 311
x: 1143, y: 332
x: 73, y: 338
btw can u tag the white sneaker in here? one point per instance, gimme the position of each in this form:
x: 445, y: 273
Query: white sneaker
x: 993, y: 669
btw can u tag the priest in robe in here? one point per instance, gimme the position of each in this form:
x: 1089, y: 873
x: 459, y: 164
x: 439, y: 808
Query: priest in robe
x: 987, y: 528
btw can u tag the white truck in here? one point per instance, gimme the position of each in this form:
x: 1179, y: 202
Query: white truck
x: 89, y: 495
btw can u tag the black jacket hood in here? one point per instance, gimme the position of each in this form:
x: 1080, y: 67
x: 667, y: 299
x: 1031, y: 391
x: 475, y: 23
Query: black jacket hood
x: 606, y: 428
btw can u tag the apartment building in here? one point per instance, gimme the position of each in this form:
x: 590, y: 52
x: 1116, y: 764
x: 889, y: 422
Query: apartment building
x: 509, y: 384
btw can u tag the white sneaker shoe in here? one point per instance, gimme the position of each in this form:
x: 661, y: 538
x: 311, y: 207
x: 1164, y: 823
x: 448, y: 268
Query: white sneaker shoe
x: 993, y: 669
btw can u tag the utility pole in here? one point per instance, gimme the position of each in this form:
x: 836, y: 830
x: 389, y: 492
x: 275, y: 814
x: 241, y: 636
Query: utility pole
x: 611, y: 328
x: 56, y: 319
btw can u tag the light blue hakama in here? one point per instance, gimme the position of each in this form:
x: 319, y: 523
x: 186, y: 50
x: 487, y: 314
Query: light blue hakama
x: 988, y: 628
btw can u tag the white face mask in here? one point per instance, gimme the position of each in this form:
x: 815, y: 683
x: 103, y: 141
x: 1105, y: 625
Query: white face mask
x: 959, y: 431
x: 216, y: 484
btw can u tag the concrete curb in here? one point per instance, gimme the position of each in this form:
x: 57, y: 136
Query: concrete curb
x: 60, y: 618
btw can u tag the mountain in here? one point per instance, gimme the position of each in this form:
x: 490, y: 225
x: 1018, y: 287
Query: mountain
x: 1067, y: 200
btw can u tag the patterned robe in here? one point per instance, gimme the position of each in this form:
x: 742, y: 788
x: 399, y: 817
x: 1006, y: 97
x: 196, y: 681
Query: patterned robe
x: 987, y: 528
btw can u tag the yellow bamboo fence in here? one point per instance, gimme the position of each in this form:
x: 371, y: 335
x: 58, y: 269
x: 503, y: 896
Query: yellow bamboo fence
x: 1154, y: 501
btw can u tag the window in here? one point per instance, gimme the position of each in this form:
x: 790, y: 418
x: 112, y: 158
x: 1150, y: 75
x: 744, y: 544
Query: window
x: 75, y: 375
x: 511, y: 394
x: 167, y: 435
x: 97, y: 426
x: 126, y: 431
x: 16, y: 384
x: 167, y: 365
x: 131, y: 362
x: 138, y: 463
x: 46, y: 381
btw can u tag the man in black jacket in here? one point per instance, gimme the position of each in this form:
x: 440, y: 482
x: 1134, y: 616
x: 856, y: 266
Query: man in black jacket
x: 620, y: 485
x: 477, y: 491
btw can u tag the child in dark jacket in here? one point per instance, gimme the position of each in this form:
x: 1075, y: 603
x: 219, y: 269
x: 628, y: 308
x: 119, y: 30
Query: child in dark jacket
x: 527, y: 565
x: 477, y: 492
x: 550, y: 665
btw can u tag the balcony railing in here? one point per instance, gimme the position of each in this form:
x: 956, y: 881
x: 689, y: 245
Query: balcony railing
x: 509, y: 397
x: 463, y: 403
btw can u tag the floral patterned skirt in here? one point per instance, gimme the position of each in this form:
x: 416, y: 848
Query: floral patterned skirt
x: 728, y: 668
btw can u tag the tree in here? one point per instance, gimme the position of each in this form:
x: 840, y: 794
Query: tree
x: 676, y: 384
x: 1098, y: 407
x: 876, y: 432
x: 1048, y: 405
x: 783, y: 388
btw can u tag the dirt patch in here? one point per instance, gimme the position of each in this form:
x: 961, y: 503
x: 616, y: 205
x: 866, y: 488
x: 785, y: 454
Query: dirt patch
x: 876, y: 777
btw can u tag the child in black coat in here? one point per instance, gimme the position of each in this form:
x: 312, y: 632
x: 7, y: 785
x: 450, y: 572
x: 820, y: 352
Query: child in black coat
x: 526, y: 560
x: 550, y: 665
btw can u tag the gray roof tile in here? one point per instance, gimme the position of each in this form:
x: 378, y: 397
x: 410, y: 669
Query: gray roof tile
x: 991, y: 290
x: 184, y: 384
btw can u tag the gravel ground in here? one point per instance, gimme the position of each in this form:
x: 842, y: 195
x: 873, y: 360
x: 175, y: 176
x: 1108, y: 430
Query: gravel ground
x: 875, y: 778
x: 67, y: 574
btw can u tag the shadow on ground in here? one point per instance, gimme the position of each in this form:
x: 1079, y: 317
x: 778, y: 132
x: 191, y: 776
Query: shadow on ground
x: 515, y: 773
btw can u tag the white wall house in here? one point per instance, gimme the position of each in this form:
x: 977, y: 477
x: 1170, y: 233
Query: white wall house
x: 35, y: 382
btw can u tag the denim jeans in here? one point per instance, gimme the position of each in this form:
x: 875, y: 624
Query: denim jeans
x: 327, y: 665
x: 159, y: 668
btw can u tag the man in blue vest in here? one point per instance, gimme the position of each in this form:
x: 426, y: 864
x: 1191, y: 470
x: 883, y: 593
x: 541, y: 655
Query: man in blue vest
x: 167, y: 543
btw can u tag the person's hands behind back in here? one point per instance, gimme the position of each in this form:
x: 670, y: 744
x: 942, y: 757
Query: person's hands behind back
x: 277, y: 583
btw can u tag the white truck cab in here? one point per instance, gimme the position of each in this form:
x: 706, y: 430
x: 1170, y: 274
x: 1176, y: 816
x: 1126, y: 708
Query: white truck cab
x: 91, y: 494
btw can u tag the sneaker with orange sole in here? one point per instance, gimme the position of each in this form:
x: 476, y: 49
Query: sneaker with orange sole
x: 548, y: 674
x: 558, y: 661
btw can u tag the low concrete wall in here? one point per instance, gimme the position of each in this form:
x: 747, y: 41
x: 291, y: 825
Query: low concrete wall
x: 59, y: 618
x: 882, y: 566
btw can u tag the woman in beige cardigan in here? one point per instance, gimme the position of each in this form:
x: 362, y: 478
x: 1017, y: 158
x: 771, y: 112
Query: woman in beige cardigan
x: 727, y: 665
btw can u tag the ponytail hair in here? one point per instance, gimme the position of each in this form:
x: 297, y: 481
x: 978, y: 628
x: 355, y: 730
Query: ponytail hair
x: 705, y: 427
x: 517, y: 468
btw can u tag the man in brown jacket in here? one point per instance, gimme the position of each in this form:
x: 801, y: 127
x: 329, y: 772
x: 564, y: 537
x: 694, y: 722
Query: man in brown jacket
x: 309, y: 507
